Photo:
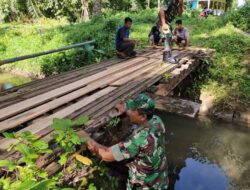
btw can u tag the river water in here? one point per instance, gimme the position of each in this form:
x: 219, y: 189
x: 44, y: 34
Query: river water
x: 205, y: 155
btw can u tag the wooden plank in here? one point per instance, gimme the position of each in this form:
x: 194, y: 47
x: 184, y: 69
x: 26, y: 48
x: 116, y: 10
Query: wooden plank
x: 44, y: 123
x: 65, y: 74
x: 72, y: 108
x: 34, y: 128
x: 33, y: 113
x: 126, y: 79
x: 26, y: 104
x: 177, y: 76
x: 41, y: 86
x: 151, y: 79
x: 92, y: 109
x: 156, y: 73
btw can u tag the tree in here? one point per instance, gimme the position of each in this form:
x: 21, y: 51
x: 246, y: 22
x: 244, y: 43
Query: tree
x: 85, y: 10
x: 97, y: 8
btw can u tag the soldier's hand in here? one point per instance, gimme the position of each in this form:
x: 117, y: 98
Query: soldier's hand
x: 166, y: 29
x: 83, y: 134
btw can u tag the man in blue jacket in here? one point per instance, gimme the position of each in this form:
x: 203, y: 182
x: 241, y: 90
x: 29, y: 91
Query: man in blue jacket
x: 123, y: 44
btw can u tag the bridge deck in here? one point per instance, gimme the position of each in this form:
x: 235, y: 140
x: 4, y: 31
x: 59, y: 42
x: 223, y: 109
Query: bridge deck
x: 92, y: 90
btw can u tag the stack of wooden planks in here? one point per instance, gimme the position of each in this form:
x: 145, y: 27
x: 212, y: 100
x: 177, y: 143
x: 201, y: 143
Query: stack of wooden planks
x: 92, y: 90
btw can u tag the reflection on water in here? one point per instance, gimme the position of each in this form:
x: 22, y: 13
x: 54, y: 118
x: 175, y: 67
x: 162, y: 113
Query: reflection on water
x: 207, y: 155
x: 202, y: 175
x: 8, y: 81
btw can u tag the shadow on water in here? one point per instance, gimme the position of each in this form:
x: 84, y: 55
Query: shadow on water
x: 207, y: 155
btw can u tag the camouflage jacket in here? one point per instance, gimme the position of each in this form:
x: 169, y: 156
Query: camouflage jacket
x: 170, y: 8
x: 148, y: 168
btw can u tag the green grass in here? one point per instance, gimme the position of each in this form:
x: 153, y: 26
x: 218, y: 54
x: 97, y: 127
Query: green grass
x: 20, y: 39
x: 227, y: 78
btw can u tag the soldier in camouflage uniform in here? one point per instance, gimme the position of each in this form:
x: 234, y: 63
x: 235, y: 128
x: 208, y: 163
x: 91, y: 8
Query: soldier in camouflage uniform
x: 145, y: 148
x: 168, y: 12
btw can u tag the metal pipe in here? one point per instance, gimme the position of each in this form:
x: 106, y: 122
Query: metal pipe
x: 20, y: 58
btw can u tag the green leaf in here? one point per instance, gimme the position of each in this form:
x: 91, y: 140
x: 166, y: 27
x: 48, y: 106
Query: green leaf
x: 63, y: 158
x: 59, y: 135
x: 91, y: 187
x: 40, y: 145
x: 81, y: 121
x: 26, y: 185
x: 61, y: 124
x: 21, y: 160
x: 100, y: 51
x: 75, y: 139
x: 23, y: 149
x: 11, y: 147
x: 7, y: 163
x: 42, y: 174
x: 9, y: 135
x: 43, y: 185
x: 27, y: 134
x: 4, y: 163
x: 89, y: 48
x: 5, y: 183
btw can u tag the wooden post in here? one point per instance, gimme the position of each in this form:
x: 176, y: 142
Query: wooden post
x: 20, y: 58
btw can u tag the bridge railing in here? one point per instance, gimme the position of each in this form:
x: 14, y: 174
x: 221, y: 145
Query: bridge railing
x: 20, y: 58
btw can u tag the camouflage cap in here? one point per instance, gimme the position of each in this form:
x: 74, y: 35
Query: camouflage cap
x: 143, y: 102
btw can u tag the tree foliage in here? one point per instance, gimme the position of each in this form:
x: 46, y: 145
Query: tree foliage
x: 14, y: 10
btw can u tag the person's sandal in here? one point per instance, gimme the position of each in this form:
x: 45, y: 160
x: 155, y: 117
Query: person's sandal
x: 133, y: 54
x: 121, y: 55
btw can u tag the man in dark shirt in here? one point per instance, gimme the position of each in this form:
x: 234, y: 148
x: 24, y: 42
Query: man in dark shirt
x: 155, y: 36
x: 123, y: 44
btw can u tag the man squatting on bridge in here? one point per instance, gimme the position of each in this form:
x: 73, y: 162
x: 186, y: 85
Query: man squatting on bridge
x: 123, y: 44
x: 181, y: 34
x: 144, y: 149
x: 168, y: 12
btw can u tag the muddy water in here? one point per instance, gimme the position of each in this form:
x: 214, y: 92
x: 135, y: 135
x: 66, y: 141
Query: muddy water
x: 9, y: 80
x: 205, y: 155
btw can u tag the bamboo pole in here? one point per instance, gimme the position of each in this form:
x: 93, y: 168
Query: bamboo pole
x: 20, y: 58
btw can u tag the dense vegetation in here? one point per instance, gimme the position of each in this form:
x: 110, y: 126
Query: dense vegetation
x: 228, y: 75
x: 240, y: 17
x: 27, y: 173
x: 72, y: 10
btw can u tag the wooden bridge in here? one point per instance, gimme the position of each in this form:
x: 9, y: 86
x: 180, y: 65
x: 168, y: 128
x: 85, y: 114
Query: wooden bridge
x: 92, y: 90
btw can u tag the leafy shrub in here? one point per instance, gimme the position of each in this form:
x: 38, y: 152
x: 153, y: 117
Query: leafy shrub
x: 240, y: 17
